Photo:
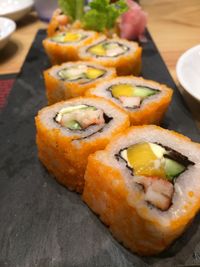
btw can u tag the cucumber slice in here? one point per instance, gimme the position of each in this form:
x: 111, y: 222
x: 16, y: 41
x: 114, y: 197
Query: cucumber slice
x: 73, y: 125
x: 144, y: 92
x: 58, y: 38
x: 173, y: 168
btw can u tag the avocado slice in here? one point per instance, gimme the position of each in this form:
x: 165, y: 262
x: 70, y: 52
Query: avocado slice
x: 144, y: 91
x: 173, y: 168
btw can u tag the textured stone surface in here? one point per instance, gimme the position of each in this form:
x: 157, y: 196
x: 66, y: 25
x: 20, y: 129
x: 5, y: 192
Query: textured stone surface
x: 43, y: 224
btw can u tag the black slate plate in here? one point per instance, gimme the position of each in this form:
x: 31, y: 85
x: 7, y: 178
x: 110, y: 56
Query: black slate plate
x: 43, y: 224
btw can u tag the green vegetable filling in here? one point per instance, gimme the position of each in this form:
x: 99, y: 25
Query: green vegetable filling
x: 108, y: 49
x: 129, y: 90
x: 153, y: 160
x: 131, y: 96
x: 66, y: 117
x: 73, y: 125
x: 68, y: 37
x: 173, y: 169
x: 81, y: 72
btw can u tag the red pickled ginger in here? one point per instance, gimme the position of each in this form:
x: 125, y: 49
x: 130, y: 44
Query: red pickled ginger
x: 133, y: 22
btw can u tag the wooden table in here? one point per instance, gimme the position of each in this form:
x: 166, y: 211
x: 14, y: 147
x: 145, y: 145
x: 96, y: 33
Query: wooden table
x: 174, y: 25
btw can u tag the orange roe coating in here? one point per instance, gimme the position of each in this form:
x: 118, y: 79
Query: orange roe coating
x: 58, y: 23
x: 59, y: 52
x: 127, y: 64
x: 107, y: 194
x: 153, y: 112
x: 57, y: 90
x: 63, y: 158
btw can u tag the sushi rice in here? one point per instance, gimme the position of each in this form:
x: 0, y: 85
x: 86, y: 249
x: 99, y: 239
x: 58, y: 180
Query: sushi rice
x: 145, y: 101
x: 63, y: 46
x: 145, y: 211
x: 69, y: 131
x: 121, y: 54
x: 72, y: 79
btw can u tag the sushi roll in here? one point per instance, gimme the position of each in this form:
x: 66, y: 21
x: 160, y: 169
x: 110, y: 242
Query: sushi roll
x: 69, y: 131
x: 63, y: 46
x: 121, y: 54
x: 59, y: 22
x: 145, y: 101
x: 73, y: 79
x: 145, y: 186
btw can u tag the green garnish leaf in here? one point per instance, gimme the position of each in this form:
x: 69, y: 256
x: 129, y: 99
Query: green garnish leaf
x: 99, y: 5
x: 122, y: 5
x: 102, y: 15
x: 79, y: 9
x: 115, y: 10
x: 68, y: 7
x: 112, y: 14
x: 72, y: 8
x: 94, y: 20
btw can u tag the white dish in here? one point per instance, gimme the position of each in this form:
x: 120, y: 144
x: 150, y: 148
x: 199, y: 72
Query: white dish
x: 7, y: 27
x: 188, y: 71
x: 15, y: 9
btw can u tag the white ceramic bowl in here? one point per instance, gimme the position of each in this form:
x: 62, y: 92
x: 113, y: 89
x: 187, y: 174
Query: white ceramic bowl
x: 188, y: 71
x: 15, y: 9
x: 7, y: 27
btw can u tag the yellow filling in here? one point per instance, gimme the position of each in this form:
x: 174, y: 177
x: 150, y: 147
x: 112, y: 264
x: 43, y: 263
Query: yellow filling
x: 72, y: 37
x: 144, y: 161
x: 122, y: 90
x: 98, y: 50
x: 93, y: 73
